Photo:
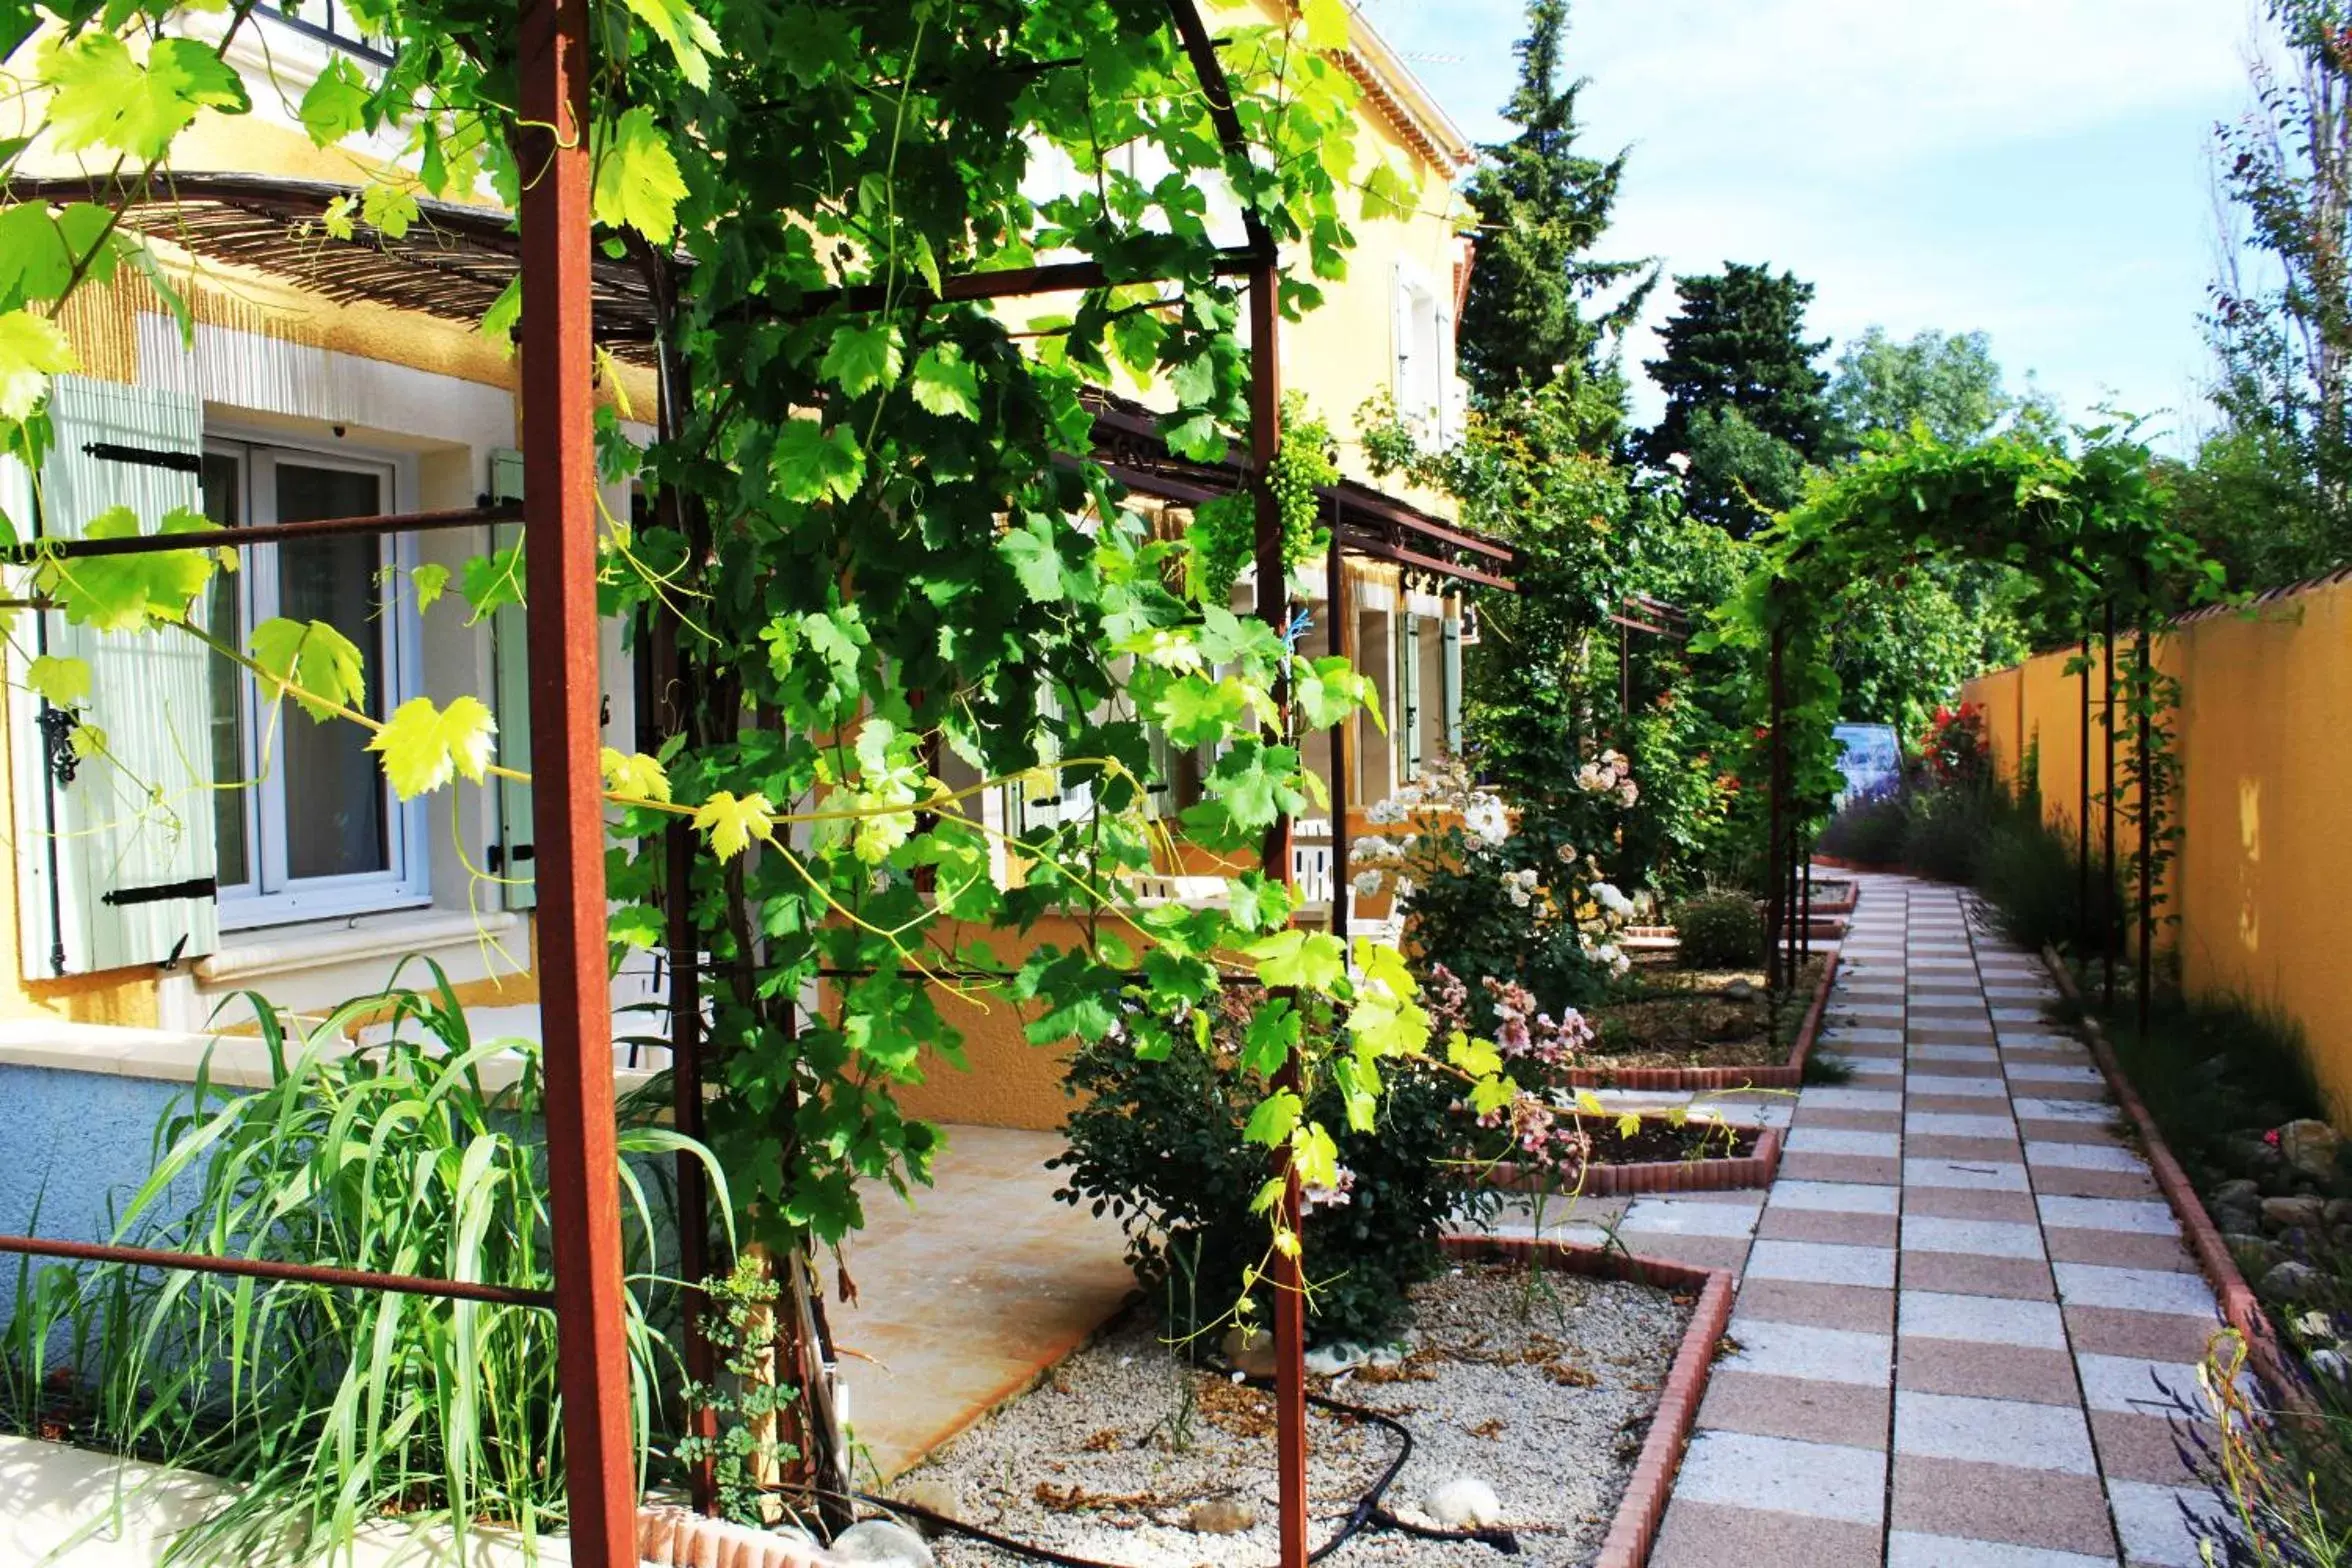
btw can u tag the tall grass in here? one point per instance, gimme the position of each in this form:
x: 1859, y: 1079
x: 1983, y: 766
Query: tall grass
x: 330, y: 1408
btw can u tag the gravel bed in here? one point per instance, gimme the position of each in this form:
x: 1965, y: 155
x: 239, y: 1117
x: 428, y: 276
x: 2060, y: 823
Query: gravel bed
x: 1124, y: 1448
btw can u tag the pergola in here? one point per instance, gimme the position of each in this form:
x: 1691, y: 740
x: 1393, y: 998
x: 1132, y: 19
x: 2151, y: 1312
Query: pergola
x: 454, y: 263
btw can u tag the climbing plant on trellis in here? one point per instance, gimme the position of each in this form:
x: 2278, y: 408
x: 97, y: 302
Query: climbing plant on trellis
x: 2093, y: 537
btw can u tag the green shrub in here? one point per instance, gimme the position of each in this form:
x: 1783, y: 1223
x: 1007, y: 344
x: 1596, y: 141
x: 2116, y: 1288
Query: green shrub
x: 1550, y: 934
x: 331, y: 1408
x: 1158, y: 1145
x: 2030, y: 880
x: 1869, y: 830
x: 1945, y: 837
x: 1720, y: 930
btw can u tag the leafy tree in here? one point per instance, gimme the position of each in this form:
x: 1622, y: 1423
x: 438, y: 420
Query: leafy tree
x: 2281, y: 318
x: 1736, y: 345
x: 1948, y: 382
x: 1543, y: 207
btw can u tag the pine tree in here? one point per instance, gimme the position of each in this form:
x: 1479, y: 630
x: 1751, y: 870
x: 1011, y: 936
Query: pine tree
x: 1543, y: 207
x: 1745, y: 406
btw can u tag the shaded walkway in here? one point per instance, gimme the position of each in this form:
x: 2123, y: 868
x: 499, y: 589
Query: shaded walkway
x: 1963, y: 1301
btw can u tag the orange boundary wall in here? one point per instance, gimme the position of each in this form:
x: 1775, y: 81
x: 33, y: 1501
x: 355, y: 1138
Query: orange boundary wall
x: 2263, y: 886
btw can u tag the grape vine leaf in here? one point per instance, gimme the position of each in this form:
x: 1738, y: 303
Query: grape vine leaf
x: 59, y: 682
x: 124, y: 593
x: 423, y: 747
x: 105, y: 98
x: 813, y: 463
x: 336, y: 103
x: 733, y: 823
x: 1272, y: 1121
x: 430, y: 580
x: 638, y: 185
x: 633, y: 774
x: 318, y: 664
x: 946, y: 385
x: 863, y: 355
x: 682, y: 27
x: 391, y: 208
x: 31, y: 351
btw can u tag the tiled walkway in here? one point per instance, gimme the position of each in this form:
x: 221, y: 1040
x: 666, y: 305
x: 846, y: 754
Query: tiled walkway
x: 1963, y: 1299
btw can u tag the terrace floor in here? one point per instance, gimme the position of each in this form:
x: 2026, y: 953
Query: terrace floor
x: 970, y: 1293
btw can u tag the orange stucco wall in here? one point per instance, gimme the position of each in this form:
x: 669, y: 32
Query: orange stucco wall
x: 2265, y: 861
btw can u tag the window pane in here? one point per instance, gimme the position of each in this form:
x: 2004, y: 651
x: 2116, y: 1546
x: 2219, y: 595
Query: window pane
x: 336, y: 824
x: 225, y: 505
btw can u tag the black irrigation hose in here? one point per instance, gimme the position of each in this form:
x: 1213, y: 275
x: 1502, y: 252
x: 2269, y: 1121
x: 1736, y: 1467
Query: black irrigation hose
x: 1366, y: 1512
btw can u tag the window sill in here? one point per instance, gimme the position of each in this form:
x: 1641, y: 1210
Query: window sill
x: 291, y: 948
x: 164, y: 1056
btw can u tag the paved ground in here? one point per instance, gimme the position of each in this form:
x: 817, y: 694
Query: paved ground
x: 970, y: 1294
x: 1962, y: 1301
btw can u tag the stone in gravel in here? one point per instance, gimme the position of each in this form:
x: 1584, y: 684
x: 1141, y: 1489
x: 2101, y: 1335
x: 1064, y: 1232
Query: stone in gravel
x: 1221, y: 1516
x: 932, y: 1493
x: 2290, y: 1281
x: 2235, y: 1193
x: 2285, y: 1214
x: 2339, y: 1212
x: 1249, y: 1351
x: 1739, y: 991
x: 883, y: 1542
x: 1464, y: 1503
x: 2310, y: 1146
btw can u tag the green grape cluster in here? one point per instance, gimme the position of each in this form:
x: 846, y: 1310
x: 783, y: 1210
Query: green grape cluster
x: 1222, y: 538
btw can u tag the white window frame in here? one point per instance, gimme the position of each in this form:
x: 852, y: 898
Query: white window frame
x: 272, y: 896
x: 1421, y: 318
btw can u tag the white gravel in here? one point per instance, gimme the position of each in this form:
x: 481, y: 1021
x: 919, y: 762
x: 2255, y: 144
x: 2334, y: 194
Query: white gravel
x: 1545, y: 1398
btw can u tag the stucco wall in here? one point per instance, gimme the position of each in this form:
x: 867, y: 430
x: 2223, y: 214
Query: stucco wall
x: 2265, y: 859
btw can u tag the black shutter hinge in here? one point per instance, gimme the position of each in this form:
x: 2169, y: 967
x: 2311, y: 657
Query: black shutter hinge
x: 162, y: 892
x: 497, y: 856
x: 145, y: 457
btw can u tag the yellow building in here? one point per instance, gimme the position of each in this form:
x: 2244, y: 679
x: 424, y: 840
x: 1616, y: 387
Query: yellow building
x: 303, y: 397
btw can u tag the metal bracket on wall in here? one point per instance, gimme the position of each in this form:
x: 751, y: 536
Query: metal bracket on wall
x: 57, y: 730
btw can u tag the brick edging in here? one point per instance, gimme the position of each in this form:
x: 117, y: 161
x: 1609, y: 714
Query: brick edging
x: 1788, y: 1075
x: 672, y: 1537
x: 1728, y: 1173
x: 2241, y: 1309
x: 1634, y: 1528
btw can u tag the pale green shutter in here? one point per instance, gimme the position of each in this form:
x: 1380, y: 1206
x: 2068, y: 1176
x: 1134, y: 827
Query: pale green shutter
x: 511, y: 670
x: 116, y: 852
x: 1408, y: 718
x: 1449, y: 676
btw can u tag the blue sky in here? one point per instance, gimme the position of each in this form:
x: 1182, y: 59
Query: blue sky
x: 2037, y: 169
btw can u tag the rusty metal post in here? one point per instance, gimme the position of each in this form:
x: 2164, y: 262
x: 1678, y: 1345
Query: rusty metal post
x: 1335, y: 612
x: 2082, y: 811
x: 1776, y: 908
x: 2147, y: 824
x: 1289, y: 1273
x: 1805, y: 914
x: 559, y: 530
x: 2107, y: 713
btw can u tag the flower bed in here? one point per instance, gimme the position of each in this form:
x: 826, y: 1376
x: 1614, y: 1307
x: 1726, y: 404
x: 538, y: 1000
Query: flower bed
x: 1665, y: 1156
x: 1785, y: 1073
